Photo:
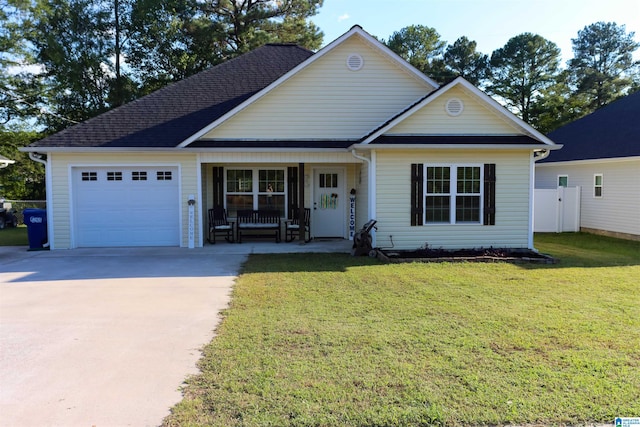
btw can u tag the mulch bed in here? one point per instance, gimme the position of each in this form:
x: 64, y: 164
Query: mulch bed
x: 516, y: 256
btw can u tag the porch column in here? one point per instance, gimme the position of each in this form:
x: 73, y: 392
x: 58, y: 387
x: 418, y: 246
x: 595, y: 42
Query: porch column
x: 301, y: 201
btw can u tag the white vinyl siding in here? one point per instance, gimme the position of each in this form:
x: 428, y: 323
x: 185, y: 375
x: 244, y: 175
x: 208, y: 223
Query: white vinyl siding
x: 598, y: 185
x: 617, y: 210
x: 328, y: 101
x: 475, y: 119
x: 394, y: 204
x: 63, y: 163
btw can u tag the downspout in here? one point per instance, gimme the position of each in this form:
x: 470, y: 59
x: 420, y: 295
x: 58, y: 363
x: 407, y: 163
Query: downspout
x: 371, y: 179
x: 37, y: 157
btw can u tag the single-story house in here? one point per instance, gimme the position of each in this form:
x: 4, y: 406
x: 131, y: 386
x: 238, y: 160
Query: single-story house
x: 601, y: 155
x: 352, y: 132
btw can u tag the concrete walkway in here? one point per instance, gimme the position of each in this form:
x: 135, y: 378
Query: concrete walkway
x: 106, y: 337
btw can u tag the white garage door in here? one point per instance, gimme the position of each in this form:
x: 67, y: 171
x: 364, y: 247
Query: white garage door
x: 126, y: 206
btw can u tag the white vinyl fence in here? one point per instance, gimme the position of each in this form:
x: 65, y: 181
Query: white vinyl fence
x: 557, y: 210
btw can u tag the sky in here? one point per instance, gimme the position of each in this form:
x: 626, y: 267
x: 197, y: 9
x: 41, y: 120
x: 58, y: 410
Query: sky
x: 491, y: 23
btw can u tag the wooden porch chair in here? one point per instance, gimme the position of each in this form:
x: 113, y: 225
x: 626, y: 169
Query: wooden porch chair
x: 292, y: 226
x: 218, y: 224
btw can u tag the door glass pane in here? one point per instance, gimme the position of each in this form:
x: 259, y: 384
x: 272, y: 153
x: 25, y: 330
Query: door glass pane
x: 328, y: 180
x: 563, y: 181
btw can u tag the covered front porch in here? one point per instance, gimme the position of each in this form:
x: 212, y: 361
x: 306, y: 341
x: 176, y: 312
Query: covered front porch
x: 332, y: 186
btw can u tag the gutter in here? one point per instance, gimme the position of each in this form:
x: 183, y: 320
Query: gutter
x: 541, y: 155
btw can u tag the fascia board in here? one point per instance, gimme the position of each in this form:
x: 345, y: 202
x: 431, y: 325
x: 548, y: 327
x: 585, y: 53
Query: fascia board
x: 589, y: 161
x: 495, y: 147
x: 98, y: 149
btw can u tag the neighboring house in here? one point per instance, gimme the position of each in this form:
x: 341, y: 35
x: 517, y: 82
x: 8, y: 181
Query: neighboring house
x: 601, y: 155
x: 444, y: 166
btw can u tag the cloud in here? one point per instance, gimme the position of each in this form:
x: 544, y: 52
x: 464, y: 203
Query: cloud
x: 343, y: 17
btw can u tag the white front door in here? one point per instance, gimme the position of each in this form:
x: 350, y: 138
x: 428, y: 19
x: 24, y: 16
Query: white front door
x: 329, y: 203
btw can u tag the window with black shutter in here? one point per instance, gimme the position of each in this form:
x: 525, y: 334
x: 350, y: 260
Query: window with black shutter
x: 453, y: 194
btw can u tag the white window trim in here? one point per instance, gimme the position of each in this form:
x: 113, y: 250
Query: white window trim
x: 453, y: 193
x: 558, y: 180
x: 595, y: 186
x: 255, y: 185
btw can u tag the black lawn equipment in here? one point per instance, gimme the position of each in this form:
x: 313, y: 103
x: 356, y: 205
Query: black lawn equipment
x: 8, y: 217
x: 362, y: 241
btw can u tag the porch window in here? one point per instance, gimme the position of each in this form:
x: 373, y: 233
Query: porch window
x: 255, y: 189
x: 447, y: 187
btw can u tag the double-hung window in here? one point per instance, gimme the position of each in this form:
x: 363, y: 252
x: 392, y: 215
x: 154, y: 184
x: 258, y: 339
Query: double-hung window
x: 255, y: 189
x: 453, y: 194
x: 597, y: 185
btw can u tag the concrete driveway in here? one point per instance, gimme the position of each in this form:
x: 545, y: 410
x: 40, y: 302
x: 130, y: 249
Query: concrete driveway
x: 104, y: 337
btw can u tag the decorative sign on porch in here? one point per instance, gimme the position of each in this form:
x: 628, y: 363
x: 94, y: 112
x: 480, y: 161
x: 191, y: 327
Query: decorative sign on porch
x: 352, y: 214
x: 329, y: 201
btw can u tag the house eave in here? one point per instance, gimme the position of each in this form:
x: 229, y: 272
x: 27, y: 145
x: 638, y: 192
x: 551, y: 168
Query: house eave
x: 264, y: 150
x: 509, y: 147
x: 31, y: 149
x: 590, y: 161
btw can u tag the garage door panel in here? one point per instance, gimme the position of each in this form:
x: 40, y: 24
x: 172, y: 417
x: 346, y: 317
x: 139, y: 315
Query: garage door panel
x: 116, y: 206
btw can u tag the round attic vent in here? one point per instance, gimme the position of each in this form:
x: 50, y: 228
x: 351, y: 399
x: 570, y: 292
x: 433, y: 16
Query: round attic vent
x: 355, y: 62
x: 454, y: 107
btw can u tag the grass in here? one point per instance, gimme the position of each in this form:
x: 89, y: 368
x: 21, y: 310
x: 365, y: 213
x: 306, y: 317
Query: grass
x: 10, y: 236
x: 332, y: 340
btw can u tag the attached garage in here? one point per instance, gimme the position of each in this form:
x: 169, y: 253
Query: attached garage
x: 125, y: 206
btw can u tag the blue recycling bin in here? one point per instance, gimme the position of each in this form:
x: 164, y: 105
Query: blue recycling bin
x: 36, y: 222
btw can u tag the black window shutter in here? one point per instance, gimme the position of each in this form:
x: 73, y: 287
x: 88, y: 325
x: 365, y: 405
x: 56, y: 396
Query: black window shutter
x: 489, y: 194
x: 417, y: 193
x: 218, y: 187
x: 292, y: 190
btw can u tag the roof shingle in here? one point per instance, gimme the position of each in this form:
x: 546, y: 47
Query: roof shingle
x: 167, y: 117
x: 610, y: 132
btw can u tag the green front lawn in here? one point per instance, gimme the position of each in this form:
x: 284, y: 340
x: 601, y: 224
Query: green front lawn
x: 332, y: 340
x: 10, y: 236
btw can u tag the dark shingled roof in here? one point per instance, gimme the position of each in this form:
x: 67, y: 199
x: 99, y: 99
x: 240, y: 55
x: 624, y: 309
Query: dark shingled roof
x: 610, y: 132
x: 167, y: 117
